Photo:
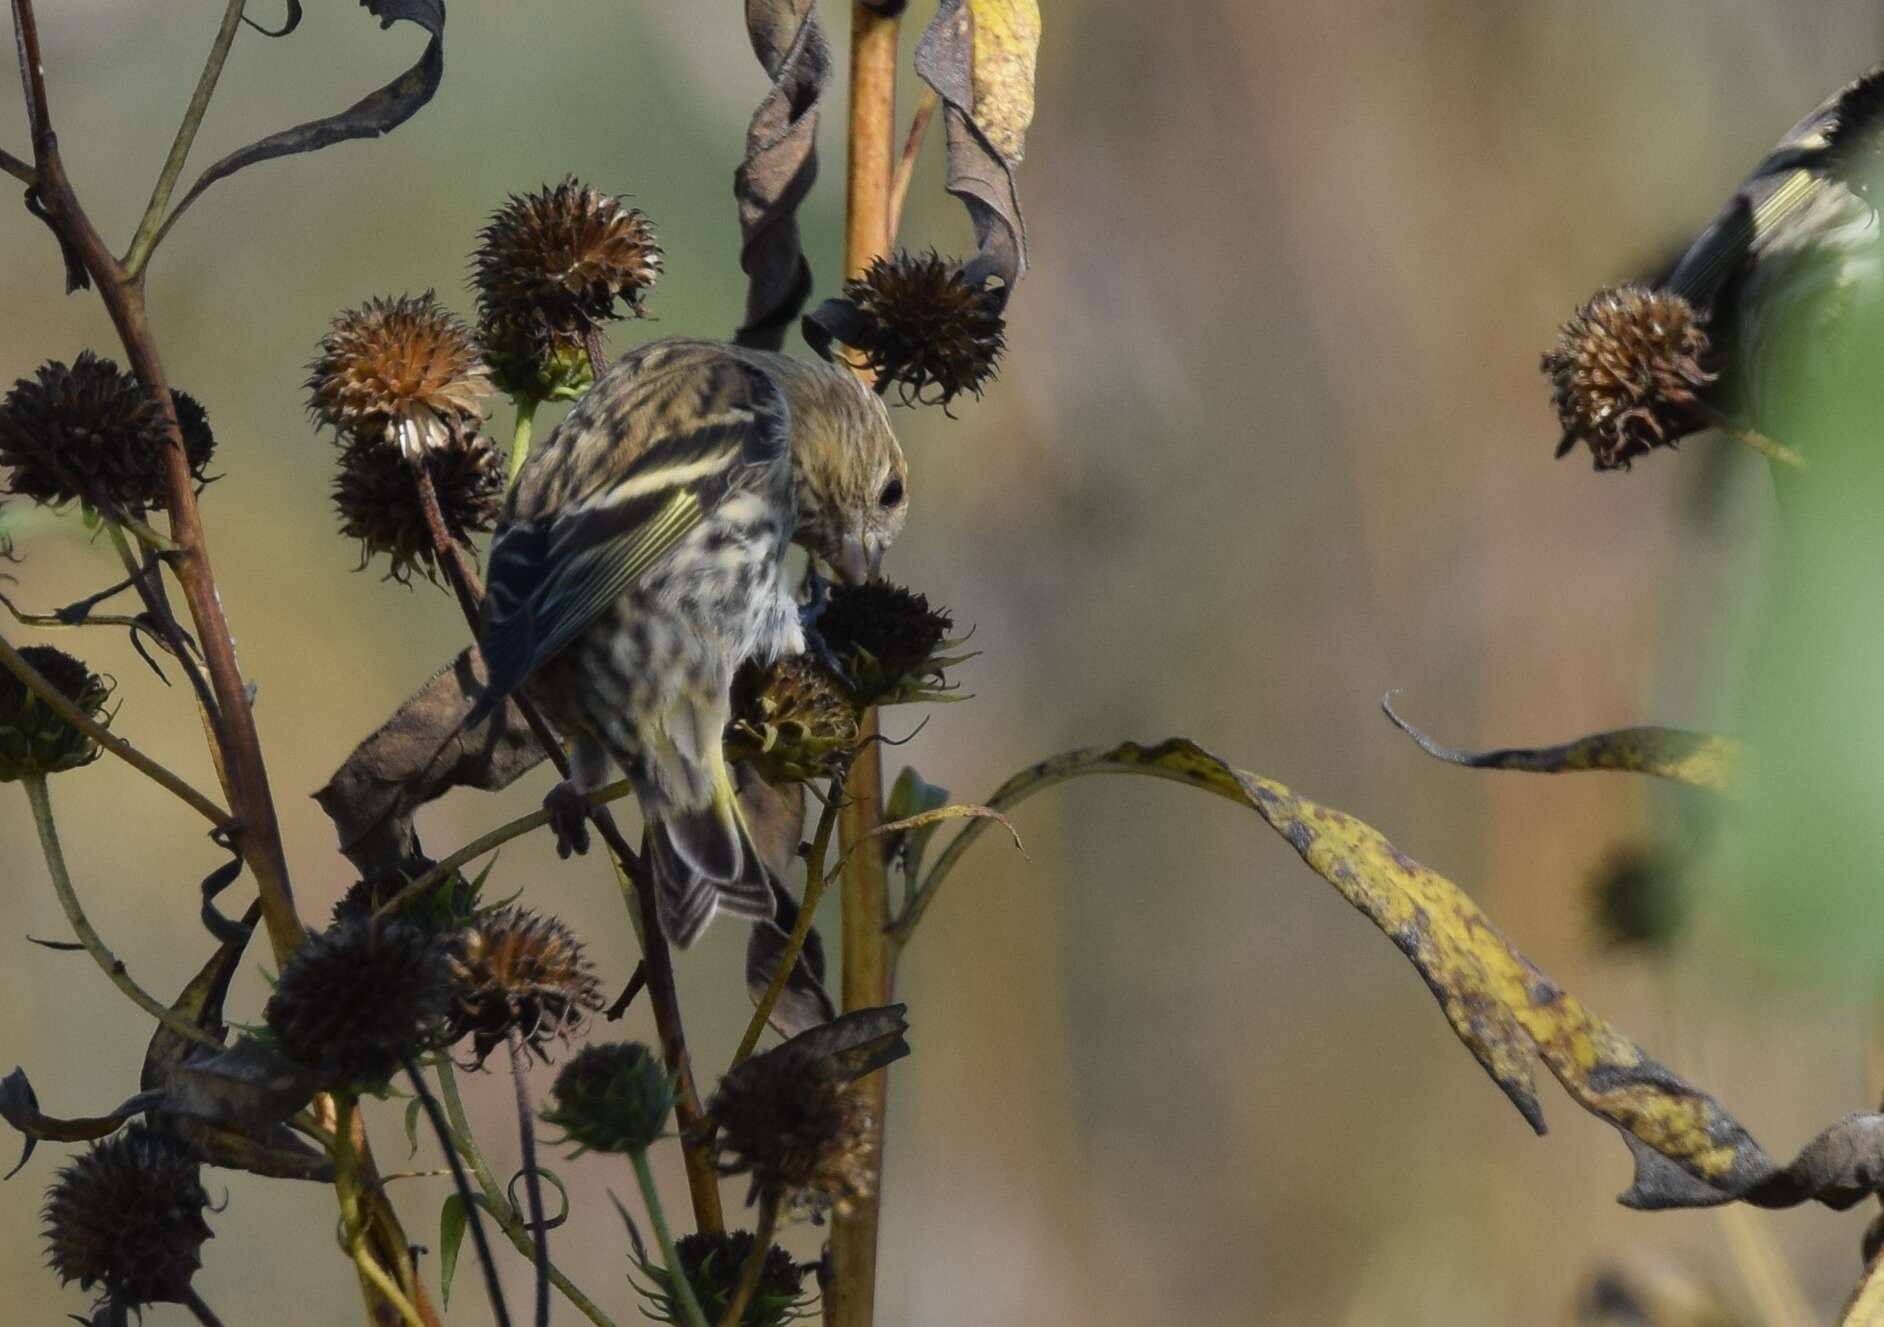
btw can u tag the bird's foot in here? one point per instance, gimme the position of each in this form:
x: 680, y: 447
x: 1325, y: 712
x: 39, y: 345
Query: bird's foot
x: 569, y: 817
x: 818, y: 591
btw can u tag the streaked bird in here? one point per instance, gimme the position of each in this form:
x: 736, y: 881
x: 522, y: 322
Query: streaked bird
x: 641, y: 559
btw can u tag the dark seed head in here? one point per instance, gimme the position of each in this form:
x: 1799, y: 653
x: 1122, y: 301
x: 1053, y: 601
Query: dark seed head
x: 926, y: 327
x: 886, y: 638
x: 712, y: 1263
x: 377, y: 497
x: 1629, y: 370
x: 127, y: 1217
x: 518, y: 971
x: 357, y: 999
x: 793, y: 1122
x: 553, y: 266
x: 404, y: 373
x: 445, y: 908
x: 614, y: 1097
x: 90, y: 433
x: 35, y: 740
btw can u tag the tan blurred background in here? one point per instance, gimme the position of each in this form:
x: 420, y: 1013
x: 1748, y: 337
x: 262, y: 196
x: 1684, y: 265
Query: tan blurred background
x: 1270, y: 440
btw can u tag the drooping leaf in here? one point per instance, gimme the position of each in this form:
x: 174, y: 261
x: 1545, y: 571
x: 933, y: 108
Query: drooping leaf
x: 248, y: 1087
x: 19, y: 1107
x: 1688, y: 1150
x: 910, y: 795
x: 803, y: 1003
x: 413, y: 1108
x: 200, y: 1003
x: 276, y: 1152
x: 452, y: 1220
x: 288, y: 24
x: 373, y: 115
x: 1700, y: 760
x: 780, y: 164
x: 855, y: 1044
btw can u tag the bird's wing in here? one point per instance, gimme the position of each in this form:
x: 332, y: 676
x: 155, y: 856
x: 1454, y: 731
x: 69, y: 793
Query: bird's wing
x: 1840, y: 142
x: 690, y: 431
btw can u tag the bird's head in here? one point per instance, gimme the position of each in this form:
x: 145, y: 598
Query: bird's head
x: 851, y: 481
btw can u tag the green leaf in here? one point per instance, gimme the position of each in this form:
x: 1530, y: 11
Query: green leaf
x: 911, y: 796
x: 413, y: 1107
x: 452, y: 1219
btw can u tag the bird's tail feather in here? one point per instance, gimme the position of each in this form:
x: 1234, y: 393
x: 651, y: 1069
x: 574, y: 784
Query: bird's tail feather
x: 704, y: 860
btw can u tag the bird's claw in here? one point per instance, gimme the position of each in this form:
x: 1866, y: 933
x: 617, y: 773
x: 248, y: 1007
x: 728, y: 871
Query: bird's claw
x: 818, y: 598
x: 569, y: 817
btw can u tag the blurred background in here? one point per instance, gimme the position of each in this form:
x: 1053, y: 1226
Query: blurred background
x: 1270, y: 439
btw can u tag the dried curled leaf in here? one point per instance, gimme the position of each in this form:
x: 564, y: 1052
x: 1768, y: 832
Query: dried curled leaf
x: 1700, y: 760
x: 780, y: 165
x: 19, y: 1107
x: 1688, y: 1150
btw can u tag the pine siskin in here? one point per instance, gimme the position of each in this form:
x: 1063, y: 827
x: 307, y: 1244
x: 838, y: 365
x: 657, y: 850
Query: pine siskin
x: 641, y: 559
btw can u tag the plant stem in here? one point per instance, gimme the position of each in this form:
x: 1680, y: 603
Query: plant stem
x: 349, y: 1185
x: 867, y: 977
x: 815, y: 881
x: 532, y: 1182
x: 145, y: 239
x: 40, y: 798
x: 194, y: 1303
x: 906, y: 164
x: 520, y: 437
x: 677, y: 1275
x: 493, y: 1290
x: 754, y: 1269
x: 56, y: 701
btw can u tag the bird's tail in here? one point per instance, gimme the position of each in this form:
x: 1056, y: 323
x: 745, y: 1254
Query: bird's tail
x: 703, y: 854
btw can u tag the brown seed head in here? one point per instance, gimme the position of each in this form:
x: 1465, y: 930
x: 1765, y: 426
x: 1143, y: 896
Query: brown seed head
x: 791, y: 1120
x: 792, y: 721
x: 886, y: 637
x: 378, y: 500
x: 554, y: 264
x: 358, y: 998
x: 1629, y: 370
x: 926, y: 328
x: 517, y: 970
x: 90, y: 433
x: 403, y: 372
x: 128, y: 1216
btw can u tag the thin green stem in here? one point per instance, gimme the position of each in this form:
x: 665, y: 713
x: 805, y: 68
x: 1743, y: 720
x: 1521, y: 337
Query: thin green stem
x: 750, y: 1274
x: 40, y: 798
x: 56, y: 701
x: 447, y: 1139
x: 349, y: 1186
x: 676, y: 1274
x: 532, y: 1181
x: 145, y: 240
x: 520, y: 438
x: 815, y: 882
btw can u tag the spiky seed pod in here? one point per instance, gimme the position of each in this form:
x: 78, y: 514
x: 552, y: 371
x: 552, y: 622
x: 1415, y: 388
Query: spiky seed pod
x: 127, y: 1216
x: 96, y: 437
x: 1638, y: 900
x: 886, y: 638
x: 614, y: 1097
x: 445, y: 908
x: 553, y: 265
x: 1628, y: 372
x: 517, y: 970
x: 792, y: 721
x: 790, y: 1120
x: 377, y: 497
x: 712, y: 1263
x: 530, y: 360
x: 926, y: 328
x: 357, y: 999
x: 35, y: 740
x: 404, y: 372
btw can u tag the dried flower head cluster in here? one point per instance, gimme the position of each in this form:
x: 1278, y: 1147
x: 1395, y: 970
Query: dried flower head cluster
x: 357, y: 999
x: 925, y: 327
x: 551, y: 269
x: 887, y: 639
x: 712, y: 1262
x: 791, y: 1120
x: 518, y: 971
x: 1629, y: 370
x: 88, y: 432
x: 792, y: 721
x: 402, y: 372
x: 127, y: 1217
x: 442, y: 909
x: 377, y: 497
x: 34, y: 740
x: 614, y: 1097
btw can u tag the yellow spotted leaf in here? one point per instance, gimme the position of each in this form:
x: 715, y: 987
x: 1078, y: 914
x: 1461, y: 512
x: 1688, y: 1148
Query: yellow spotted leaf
x: 1006, y: 43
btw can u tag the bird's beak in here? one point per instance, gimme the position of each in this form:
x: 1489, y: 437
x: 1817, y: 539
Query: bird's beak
x: 853, y: 563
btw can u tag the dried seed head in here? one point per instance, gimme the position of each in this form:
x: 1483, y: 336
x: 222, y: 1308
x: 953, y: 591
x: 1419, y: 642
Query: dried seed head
x: 357, y: 999
x: 793, y: 721
x: 445, y: 908
x: 612, y: 1098
x: 516, y: 970
x: 887, y: 638
x: 35, y: 740
x: 792, y: 1121
x: 403, y: 372
x: 90, y: 433
x: 1629, y: 370
x: 529, y: 360
x: 551, y: 266
x: 127, y: 1216
x: 926, y: 328
x: 1638, y: 900
x: 377, y: 497
x: 712, y: 1263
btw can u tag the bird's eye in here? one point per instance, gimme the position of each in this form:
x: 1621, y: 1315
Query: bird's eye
x: 892, y: 493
